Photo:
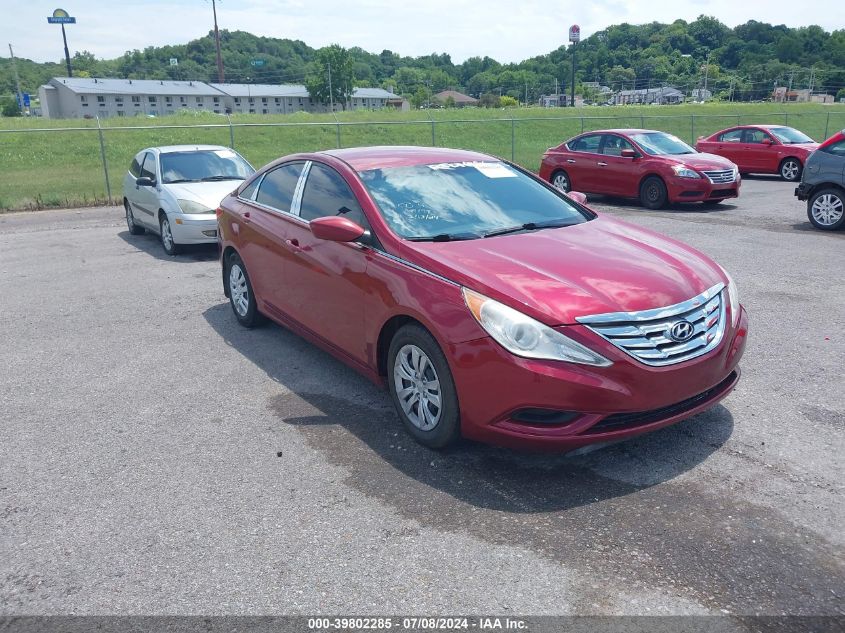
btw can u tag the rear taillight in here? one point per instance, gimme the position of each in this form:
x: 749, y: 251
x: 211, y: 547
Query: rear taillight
x: 219, y: 211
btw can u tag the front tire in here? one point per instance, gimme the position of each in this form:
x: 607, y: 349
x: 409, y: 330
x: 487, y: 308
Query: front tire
x: 241, y: 295
x: 422, y: 388
x: 826, y: 209
x: 560, y: 180
x: 790, y: 169
x: 166, y: 234
x: 134, y: 229
x: 653, y: 194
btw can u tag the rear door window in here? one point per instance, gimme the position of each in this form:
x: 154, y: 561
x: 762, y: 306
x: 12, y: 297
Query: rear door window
x: 135, y: 167
x: 734, y: 136
x: 278, y: 186
x: 589, y: 143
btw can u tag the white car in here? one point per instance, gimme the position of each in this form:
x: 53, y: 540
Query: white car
x: 174, y: 191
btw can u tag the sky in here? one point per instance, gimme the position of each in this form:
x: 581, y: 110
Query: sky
x: 506, y: 30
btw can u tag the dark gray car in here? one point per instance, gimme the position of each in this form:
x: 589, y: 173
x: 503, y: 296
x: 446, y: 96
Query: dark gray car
x: 823, y: 184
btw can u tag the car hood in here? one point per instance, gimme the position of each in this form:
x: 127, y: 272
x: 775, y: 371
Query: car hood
x: 806, y: 147
x: 209, y: 194
x: 556, y: 275
x: 702, y: 161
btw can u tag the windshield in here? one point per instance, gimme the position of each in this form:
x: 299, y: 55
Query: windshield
x: 661, y: 144
x: 790, y: 136
x: 203, y: 166
x: 465, y: 201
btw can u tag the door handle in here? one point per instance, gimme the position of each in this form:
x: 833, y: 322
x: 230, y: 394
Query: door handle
x: 602, y: 164
x: 569, y: 160
x: 245, y: 216
x: 294, y: 244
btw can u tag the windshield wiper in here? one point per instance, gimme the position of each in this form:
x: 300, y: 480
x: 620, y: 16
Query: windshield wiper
x: 210, y: 178
x: 444, y: 237
x: 531, y: 226
x: 178, y: 180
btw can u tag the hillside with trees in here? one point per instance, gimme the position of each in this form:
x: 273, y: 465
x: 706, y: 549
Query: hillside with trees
x: 742, y: 63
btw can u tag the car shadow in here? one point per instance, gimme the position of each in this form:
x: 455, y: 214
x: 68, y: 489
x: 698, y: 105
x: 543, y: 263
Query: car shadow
x: 806, y: 227
x: 689, y: 207
x: 352, y: 422
x: 150, y: 244
x: 766, y: 177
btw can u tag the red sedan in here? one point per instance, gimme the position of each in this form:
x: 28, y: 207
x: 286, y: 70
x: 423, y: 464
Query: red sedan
x: 762, y: 149
x: 655, y: 167
x: 492, y: 305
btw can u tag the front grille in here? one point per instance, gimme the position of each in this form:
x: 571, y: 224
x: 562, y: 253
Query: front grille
x: 647, y: 335
x: 720, y: 177
x: 619, y: 421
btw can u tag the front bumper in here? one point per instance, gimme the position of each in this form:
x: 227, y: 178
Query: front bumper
x: 194, y: 228
x: 601, y: 404
x: 700, y: 189
x: 802, y: 191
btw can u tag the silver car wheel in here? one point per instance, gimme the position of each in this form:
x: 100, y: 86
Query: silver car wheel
x: 238, y: 290
x: 417, y: 387
x: 166, y: 234
x: 790, y: 170
x: 130, y: 221
x: 561, y: 182
x: 827, y: 209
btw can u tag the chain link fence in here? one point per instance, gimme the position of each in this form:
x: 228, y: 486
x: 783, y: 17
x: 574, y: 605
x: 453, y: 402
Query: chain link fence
x: 71, y: 166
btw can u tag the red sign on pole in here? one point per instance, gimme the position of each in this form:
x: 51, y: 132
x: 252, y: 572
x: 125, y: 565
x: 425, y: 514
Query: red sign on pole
x: 574, y: 33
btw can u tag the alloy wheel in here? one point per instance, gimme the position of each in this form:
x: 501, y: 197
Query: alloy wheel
x: 417, y: 387
x: 827, y: 209
x: 166, y: 234
x: 790, y: 170
x: 238, y: 290
x: 561, y: 182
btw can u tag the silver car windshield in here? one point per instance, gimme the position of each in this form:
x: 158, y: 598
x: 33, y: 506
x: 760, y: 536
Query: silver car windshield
x: 203, y: 166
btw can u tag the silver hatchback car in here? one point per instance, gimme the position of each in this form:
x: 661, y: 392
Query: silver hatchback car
x: 174, y: 191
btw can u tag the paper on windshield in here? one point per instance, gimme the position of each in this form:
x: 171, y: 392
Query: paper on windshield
x: 491, y: 170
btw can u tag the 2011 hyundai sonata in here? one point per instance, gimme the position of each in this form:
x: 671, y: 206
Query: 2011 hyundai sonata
x: 493, y: 306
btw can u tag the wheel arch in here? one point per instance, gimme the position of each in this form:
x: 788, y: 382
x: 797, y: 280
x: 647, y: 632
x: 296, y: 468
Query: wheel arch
x: 225, y: 255
x: 386, y: 334
x: 651, y: 174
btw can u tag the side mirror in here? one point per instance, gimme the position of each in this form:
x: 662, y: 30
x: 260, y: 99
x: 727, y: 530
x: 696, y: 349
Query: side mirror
x: 335, y: 229
x: 577, y: 196
x: 145, y: 182
x: 628, y: 153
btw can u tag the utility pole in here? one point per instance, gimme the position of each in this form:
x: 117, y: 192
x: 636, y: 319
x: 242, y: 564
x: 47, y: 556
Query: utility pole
x: 572, y: 101
x: 706, y: 73
x: 220, y: 76
x: 17, y: 79
x: 331, y: 96
x: 526, y: 93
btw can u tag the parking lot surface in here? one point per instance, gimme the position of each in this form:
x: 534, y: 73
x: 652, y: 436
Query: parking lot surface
x: 157, y: 458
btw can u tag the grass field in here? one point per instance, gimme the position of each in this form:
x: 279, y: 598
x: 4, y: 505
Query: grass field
x: 42, y: 165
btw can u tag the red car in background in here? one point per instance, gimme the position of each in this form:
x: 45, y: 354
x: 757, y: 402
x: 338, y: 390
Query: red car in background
x: 490, y: 304
x: 655, y: 167
x: 762, y: 149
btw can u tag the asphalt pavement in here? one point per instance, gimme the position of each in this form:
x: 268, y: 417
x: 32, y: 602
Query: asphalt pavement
x: 156, y: 458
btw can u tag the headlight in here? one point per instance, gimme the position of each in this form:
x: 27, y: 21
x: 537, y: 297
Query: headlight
x: 189, y: 206
x: 523, y: 336
x: 733, y: 297
x: 736, y: 174
x: 685, y: 172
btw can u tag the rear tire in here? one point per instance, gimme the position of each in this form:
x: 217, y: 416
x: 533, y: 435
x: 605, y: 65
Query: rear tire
x: 790, y: 169
x: 826, y: 209
x: 241, y: 294
x: 653, y: 194
x: 134, y: 229
x: 422, y: 388
x: 560, y: 180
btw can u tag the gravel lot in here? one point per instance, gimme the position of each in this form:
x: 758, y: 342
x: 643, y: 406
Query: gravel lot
x: 157, y: 458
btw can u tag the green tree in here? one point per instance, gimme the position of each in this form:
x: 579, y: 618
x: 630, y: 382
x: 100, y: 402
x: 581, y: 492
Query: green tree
x: 9, y: 107
x: 332, y: 77
x: 508, y: 102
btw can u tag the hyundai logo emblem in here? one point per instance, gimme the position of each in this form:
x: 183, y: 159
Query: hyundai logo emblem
x: 681, y: 331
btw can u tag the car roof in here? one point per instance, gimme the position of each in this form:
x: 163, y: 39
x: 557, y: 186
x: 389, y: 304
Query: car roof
x: 623, y: 131
x: 365, y: 158
x: 169, y: 149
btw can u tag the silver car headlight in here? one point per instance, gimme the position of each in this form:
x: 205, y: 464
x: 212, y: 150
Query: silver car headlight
x: 189, y: 206
x: 685, y: 172
x: 521, y: 335
x: 733, y: 298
